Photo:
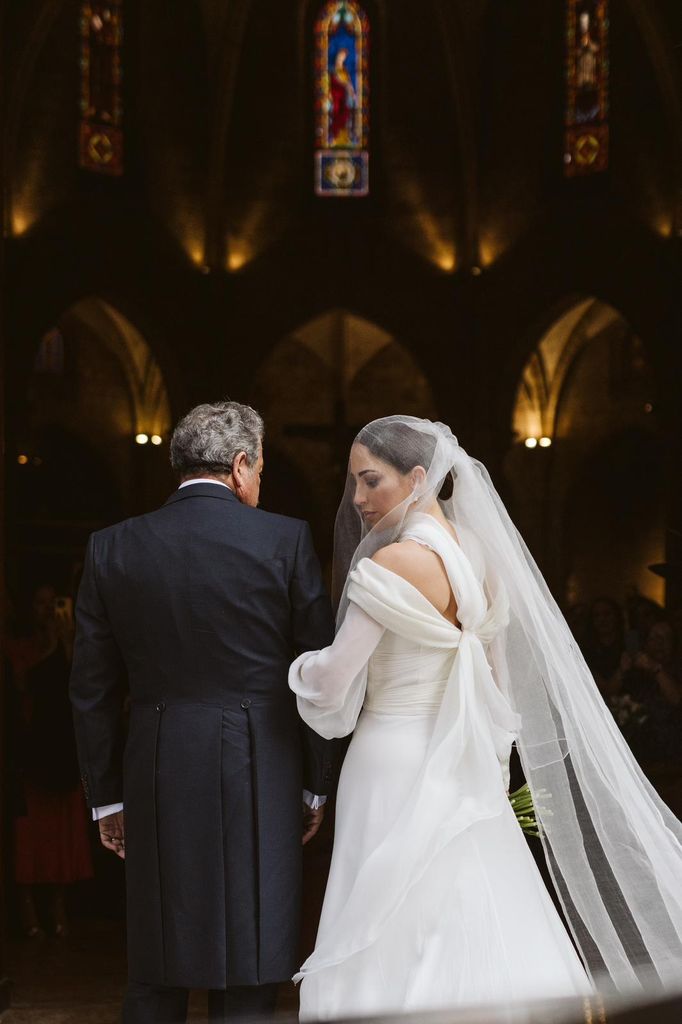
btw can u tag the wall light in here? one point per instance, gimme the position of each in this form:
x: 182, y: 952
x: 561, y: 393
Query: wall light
x: 141, y: 439
x: 21, y: 221
x: 531, y: 442
x: 545, y: 442
x: 445, y: 259
x: 23, y: 460
x: 238, y: 257
x: 156, y: 439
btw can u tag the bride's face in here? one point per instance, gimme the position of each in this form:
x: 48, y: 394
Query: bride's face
x: 379, y: 487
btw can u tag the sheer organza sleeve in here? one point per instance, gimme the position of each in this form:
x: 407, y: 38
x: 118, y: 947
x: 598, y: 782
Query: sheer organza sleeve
x: 330, y: 684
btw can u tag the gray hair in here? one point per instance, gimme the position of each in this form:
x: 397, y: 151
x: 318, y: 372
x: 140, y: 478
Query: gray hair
x: 210, y: 436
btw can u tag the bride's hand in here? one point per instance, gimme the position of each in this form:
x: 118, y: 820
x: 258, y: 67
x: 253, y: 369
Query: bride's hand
x: 311, y: 822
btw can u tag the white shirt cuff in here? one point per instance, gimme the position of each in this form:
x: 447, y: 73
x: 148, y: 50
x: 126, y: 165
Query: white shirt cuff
x: 313, y: 802
x: 102, y: 812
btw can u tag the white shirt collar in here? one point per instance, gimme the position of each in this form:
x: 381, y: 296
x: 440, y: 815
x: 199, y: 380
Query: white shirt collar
x: 202, y: 480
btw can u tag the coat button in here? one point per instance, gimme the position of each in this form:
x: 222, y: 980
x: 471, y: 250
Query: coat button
x: 246, y: 703
x: 161, y: 706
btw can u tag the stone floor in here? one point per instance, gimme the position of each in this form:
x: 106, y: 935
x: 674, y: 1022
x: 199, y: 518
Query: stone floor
x: 80, y: 979
x: 76, y: 980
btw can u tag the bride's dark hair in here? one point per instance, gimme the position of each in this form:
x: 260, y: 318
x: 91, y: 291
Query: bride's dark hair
x: 402, y: 447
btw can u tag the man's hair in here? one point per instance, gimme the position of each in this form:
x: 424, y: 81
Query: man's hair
x: 210, y: 436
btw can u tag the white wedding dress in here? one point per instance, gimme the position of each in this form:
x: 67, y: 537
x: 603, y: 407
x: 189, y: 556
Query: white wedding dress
x: 433, y: 898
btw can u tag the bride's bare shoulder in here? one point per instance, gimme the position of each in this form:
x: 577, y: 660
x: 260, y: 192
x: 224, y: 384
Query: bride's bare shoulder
x: 422, y: 568
x: 408, y: 559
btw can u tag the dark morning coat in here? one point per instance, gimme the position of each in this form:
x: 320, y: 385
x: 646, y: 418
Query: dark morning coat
x: 202, y: 605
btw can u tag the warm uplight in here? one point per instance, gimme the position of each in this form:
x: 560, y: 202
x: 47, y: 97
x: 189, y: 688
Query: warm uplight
x: 141, y: 438
x: 21, y: 222
x: 23, y: 460
x: 156, y: 439
x: 195, y: 251
x: 490, y: 248
x: 663, y: 226
x: 545, y: 442
x: 446, y: 260
x: 435, y: 241
x: 531, y: 442
x: 238, y: 257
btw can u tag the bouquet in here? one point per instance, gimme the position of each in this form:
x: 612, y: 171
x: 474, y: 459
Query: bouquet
x: 522, y: 804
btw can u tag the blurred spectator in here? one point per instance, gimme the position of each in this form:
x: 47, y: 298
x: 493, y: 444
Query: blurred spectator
x: 642, y: 613
x: 51, y: 845
x: 604, y: 643
x: 578, y: 617
x: 648, y: 700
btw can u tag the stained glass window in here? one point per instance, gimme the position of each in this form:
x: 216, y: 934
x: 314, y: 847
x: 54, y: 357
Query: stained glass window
x: 101, y: 135
x: 342, y: 100
x: 586, y: 146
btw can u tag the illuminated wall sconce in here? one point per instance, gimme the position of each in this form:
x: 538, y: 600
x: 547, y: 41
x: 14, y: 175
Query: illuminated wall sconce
x: 545, y: 442
x: 238, y: 258
x: 534, y: 442
x: 531, y: 442
x: 156, y: 439
x: 446, y: 261
x: 141, y: 439
x: 22, y: 460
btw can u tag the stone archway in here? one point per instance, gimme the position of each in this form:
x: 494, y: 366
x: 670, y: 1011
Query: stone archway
x: 586, y: 388
x: 150, y: 405
x: 93, y: 388
x: 318, y: 386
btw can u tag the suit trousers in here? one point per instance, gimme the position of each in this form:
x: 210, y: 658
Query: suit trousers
x: 153, y: 1004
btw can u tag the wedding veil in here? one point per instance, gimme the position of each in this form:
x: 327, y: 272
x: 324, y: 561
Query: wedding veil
x: 613, y: 848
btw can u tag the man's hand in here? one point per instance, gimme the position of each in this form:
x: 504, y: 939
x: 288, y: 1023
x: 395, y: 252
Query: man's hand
x: 112, y: 833
x: 311, y: 822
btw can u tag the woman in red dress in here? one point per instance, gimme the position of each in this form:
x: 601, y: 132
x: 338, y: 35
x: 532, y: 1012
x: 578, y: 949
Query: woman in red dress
x: 51, y: 845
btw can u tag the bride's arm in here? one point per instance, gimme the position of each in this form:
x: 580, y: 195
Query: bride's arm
x: 330, y: 684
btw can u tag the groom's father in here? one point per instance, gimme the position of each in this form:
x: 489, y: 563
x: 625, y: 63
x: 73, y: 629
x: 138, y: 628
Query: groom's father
x: 200, y: 607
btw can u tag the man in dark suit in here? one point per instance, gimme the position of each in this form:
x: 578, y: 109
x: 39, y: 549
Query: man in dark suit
x: 201, y: 606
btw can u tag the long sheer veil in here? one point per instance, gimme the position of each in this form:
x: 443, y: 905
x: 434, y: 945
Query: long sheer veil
x: 613, y: 848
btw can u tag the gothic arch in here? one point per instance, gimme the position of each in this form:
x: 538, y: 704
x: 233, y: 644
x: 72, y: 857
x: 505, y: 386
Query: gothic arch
x: 341, y: 371
x: 587, y: 386
x: 150, y: 404
x: 106, y: 389
x: 547, y: 372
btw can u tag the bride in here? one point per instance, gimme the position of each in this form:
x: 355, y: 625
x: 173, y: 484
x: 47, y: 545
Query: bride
x: 450, y: 648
